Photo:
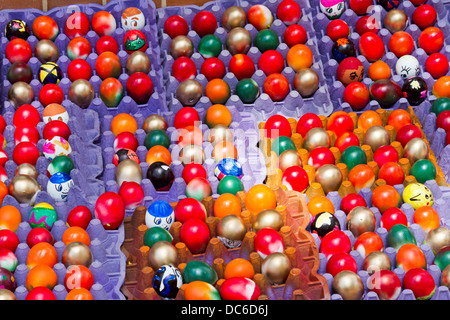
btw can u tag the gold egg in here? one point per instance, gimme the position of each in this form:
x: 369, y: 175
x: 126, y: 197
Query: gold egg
x: 348, y: 285
x: 438, y: 238
x: 24, y: 189
x: 20, y: 93
x: 5, y: 294
x: 234, y: 17
x: 189, y: 92
x: 360, y: 220
x: 181, y: 46
x: 155, y: 122
x: 268, y: 218
x: 316, y: 137
x: 330, y: 177
x: 231, y: 231
x: 192, y: 153
x: 161, y: 253
x: 288, y: 159
x: 238, y: 40
x: 26, y: 169
x: 81, y: 92
x: 415, y: 149
x: 77, y: 253
x: 138, y: 61
x: 395, y: 20
x: 306, y: 82
x: 376, y: 136
x: 276, y: 267
x: 376, y: 261
x: 220, y: 133
x: 128, y: 170
x: 46, y: 51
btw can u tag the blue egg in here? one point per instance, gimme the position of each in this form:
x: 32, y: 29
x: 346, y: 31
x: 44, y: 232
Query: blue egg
x: 228, y: 167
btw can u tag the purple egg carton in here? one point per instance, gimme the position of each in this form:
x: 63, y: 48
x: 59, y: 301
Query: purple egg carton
x: 116, y: 7
x: 246, y: 137
x: 441, y: 205
x: 325, y: 44
x: 292, y: 106
x: 108, y: 266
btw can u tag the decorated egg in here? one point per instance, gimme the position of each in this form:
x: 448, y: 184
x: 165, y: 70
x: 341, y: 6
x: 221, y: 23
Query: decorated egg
x: 407, y: 66
x: 324, y: 223
x: 17, y: 28
x: 135, y: 40
x: 42, y: 215
x: 132, y: 18
x: 417, y: 195
x: 239, y: 288
x: 268, y: 241
x: 58, y: 186
x: 228, y: 166
x: 56, y: 146
x: 49, y: 72
x: 159, y: 214
x: 55, y: 111
x: 333, y: 9
x: 167, y: 281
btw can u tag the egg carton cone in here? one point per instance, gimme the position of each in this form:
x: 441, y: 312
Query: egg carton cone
x: 60, y: 14
x: 336, y: 88
x: 246, y: 137
x: 292, y: 105
x: 302, y: 283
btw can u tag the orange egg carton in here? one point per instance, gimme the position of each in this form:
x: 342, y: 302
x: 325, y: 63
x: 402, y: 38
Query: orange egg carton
x: 303, y: 283
x: 274, y: 174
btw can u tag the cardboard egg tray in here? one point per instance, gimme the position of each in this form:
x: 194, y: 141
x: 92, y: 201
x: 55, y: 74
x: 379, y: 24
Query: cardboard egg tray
x: 115, y: 7
x: 302, y: 283
x: 325, y: 44
x: 246, y: 137
x: 293, y: 105
x: 441, y: 193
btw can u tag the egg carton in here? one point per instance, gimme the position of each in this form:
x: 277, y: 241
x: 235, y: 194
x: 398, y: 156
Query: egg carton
x: 302, y: 283
x: 263, y: 107
x: 108, y: 266
x: 441, y: 205
x: 115, y: 7
x: 246, y: 137
x: 325, y: 44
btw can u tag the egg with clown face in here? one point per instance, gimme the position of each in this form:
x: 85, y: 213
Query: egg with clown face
x: 58, y: 186
x: 333, y: 9
x: 160, y: 214
x: 132, y: 19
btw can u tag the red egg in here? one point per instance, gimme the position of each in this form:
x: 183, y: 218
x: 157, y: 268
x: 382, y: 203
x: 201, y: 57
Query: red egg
x: 40, y: 293
x: 132, y: 194
x: 241, y: 66
x: 418, y: 2
x: 39, y: 234
x: 334, y: 242
x: 268, y: 241
x: 351, y: 201
x: 51, y: 93
x: 176, y: 26
x: 399, y: 118
x: 385, y: 154
x: 195, y: 234
x: 339, y: 262
x: 106, y: 43
x: 371, y: 46
x: 295, y: 34
x: 271, y: 61
x: 385, y: 197
x: 213, y: 68
x: 188, y: 208
x: 110, y: 210
x: 320, y: 156
x: 3, y: 157
x: 307, y: 122
x: 56, y: 128
x: 26, y: 132
x: 26, y: 114
x: 239, y: 288
x: 125, y: 140
x: 431, y: 40
x: 420, y: 282
x: 184, y: 68
x: 340, y: 122
x: 80, y: 216
x: 289, y: 12
x: 356, y: 94
x: 103, y: 22
x: 25, y: 152
x: 78, y: 276
x: 204, y: 23
x: 386, y: 284
x: 392, y: 173
x: 346, y: 140
x: 407, y: 133
x: 77, y: 25
x: 295, y: 178
x: 3, y: 123
x: 337, y: 29
x: 276, y: 86
x: 277, y: 125
x: 139, y: 87
x: 424, y: 16
x: 437, y: 65
x: 401, y: 43
x: 367, y: 243
x: 186, y: 116
x: 193, y: 170
x: 9, y: 240
x: 18, y: 50
x: 391, y: 217
x: 443, y: 120
x: 367, y: 24
x: 360, y: 7
x: 79, y: 69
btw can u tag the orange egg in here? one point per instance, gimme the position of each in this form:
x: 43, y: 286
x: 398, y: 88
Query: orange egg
x: 239, y: 268
x: 224, y: 149
x: 3, y: 191
x: 260, y: 197
x: 79, y: 294
x: 369, y: 119
x: 441, y: 87
x: 426, y: 217
x: 42, y: 253
x: 10, y: 218
x: 76, y: 234
x: 399, y: 118
x: 320, y: 204
x: 410, y: 256
x: 299, y: 56
x: 41, y: 276
x: 379, y: 70
x: 190, y: 135
x: 227, y: 204
x: 158, y: 153
x: 218, y: 91
x: 218, y: 114
x: 200, y: 290
x: 123, y: 122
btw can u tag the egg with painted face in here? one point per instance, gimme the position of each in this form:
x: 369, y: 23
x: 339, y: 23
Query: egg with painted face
x: 58, y: 186
x: 333, y: 9
x: 160, y: 214
x: 55, y: 111
x: 407, y: 66
x: 56, y: 146
x: 418, y: 195
x: 132, y: 19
